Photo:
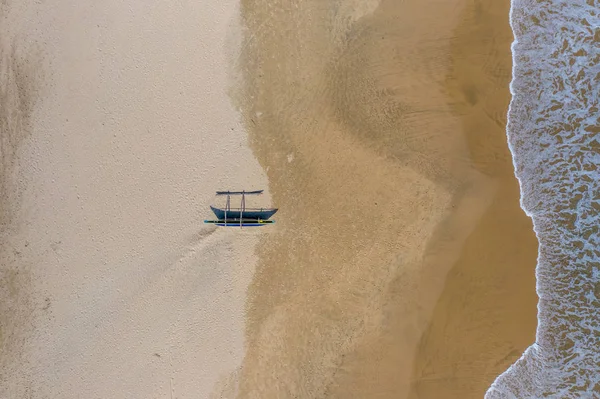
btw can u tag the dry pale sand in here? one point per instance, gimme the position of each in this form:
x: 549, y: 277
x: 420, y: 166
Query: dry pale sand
x: 116, y: 130
x: 402, y: 265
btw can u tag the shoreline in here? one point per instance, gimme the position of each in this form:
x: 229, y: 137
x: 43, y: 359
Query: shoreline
x: 515, y: 364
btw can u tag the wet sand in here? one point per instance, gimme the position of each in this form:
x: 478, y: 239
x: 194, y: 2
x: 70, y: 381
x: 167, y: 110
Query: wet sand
x: 486, y: 316
x: 401, y: 264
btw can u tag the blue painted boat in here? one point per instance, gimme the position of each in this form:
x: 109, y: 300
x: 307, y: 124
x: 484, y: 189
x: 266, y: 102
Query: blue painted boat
x: 245, y: 213
x: 241, y: 216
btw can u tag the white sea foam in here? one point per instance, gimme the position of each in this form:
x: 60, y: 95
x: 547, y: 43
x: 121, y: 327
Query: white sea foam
x: 554, y: 136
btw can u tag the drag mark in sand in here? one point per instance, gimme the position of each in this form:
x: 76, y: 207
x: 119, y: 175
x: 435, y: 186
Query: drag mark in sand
x: 19, y: 82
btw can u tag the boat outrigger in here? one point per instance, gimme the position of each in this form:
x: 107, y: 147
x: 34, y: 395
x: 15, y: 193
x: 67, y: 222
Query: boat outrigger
x: 242, y: 216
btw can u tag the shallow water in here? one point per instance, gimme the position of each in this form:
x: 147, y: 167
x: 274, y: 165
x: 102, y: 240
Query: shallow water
x: 554, y: 135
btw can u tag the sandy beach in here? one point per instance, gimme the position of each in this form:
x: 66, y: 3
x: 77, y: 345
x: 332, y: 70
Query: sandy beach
x: 112, y: 286
x: 400, y: 266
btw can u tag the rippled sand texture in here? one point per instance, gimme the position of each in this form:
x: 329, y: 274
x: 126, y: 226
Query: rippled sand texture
x: 382, y: 135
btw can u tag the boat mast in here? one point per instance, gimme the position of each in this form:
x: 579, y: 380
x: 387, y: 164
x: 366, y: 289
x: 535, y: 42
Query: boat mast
x: 242, y: 207
x: 227, y: 207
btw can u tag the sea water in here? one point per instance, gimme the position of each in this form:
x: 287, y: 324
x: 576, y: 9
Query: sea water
x: 554, y: 135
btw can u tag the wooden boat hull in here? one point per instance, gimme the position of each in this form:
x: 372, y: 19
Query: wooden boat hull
x: 240, y: 223
x: 256, y: 214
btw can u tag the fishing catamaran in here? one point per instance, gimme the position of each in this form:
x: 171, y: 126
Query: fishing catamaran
x: 242, y: 216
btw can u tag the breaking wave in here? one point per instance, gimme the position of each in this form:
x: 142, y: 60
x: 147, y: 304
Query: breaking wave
x: 554, y: 136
